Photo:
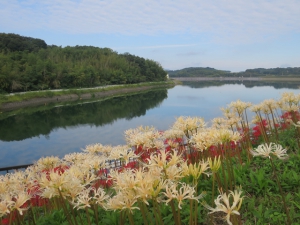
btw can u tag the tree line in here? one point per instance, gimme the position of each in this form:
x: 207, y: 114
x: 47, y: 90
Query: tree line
x: 28, y: 64
x: 247, y: 83
x: 211, y: 72
x: 197, y: 72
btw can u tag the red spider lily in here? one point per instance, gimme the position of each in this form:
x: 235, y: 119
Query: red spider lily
x: 213, y: 151
x: 103, y: 183
x: 59, y: 169
x: 38, y: 201
x: 234, y: 149
x: 12, y: 216
x: 244, y: 132
x: 138, y: 150
x: 35, y: 189
x: 144, y: 153
x: 189, y: 157
x: 257, y: 131
x: 291, y: 115
x: 175, y: 140
x: 285, y: 125
x: 5, y: 221
x: 103, y: 172
x: 131, y: 165
x: 168, y: 148
x: 288, y: 116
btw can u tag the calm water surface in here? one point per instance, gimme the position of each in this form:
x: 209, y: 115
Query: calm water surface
x: 35, y: 132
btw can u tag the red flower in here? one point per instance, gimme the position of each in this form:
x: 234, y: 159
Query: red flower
x: 103, y: 183
x: 38, y: 201
x: 131, y: 165
x: 5, y: 221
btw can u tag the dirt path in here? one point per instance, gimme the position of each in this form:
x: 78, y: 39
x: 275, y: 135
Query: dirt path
x: 72, y: 97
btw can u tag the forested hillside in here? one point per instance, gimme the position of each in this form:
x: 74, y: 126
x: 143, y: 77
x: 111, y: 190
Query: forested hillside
x: 30, y: 64
x: 197, y: 72
x: 290, y: 71
x: 211, y: 72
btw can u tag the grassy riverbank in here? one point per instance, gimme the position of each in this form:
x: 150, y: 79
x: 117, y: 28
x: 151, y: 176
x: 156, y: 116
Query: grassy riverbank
x: 37, y: 97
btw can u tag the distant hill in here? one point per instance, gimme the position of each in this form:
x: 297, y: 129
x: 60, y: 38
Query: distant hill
x: 211, y: 72
x: 197, y: 72
x: 290, y: 71
x: 28, y: 64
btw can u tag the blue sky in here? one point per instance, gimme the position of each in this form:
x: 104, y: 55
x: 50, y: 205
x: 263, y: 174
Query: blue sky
x: 231, y: 35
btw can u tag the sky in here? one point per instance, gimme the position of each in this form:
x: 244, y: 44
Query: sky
x: 232, y: 35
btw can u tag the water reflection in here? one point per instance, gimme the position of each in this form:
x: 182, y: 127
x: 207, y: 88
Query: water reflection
x: 246, y: 83
x: 28, y: 125
x: 36, y: 132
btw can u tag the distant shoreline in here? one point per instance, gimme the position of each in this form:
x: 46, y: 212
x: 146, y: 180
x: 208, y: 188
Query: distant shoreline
x: 214, y: 78
x: 236, y: 78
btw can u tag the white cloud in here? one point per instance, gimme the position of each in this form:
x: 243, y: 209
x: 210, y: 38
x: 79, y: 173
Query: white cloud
x: 241, y: 21
x: 160, y: 46
x: 189, y: 54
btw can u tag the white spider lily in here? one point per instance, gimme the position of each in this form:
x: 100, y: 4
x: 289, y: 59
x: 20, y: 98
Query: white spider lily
x: 223, y: 204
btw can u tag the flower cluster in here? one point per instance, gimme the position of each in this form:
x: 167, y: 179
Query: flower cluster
x: 153, y: 167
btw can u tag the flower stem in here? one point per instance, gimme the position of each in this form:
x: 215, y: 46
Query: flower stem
x: 157, y: 212
x: 191, y: 212
x: 87, y: 215
x: 130, y: 217
x: 32, y: 215
x: 282, y: 195
x: 63, y: 203
x: 143, y: 212
x: 96, y: 213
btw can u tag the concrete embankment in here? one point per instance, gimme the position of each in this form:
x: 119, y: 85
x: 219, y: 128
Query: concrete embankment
x: 74, y: 97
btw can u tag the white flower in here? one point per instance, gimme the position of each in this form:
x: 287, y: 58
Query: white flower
x: 279, y: 152
x: 266, y: 151
x: 223, y: 204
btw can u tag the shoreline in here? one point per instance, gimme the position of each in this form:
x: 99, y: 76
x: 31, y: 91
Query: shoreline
x: 103, y: 92
x: 37, y: 101
x: 215, y: 78
x: 236, y: 78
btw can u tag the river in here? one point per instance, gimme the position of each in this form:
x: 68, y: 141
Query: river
x: 34, y: 132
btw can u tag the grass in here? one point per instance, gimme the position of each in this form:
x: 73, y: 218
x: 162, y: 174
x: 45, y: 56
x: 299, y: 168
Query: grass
x: 51, y: 105
x: 17, y: 97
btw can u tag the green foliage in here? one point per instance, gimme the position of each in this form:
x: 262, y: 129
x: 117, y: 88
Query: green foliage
x: 110, y: 218
x: 273, y: 71
x: 263, y: 204
x: 57, y: 217
x: 39, y: 67
x: 260, y: 185
x: 15, y: 42
x: 288, y: 138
